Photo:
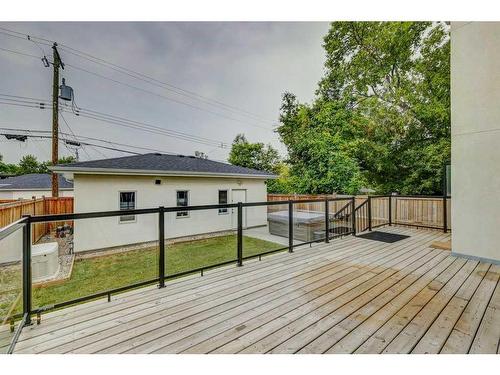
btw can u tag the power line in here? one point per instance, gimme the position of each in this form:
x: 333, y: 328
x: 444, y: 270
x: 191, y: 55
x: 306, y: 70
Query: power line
x: 148, y: 79
x: 74, y: 136
x: 144, y: 90
x: 145, y: 127
x: 79, y: 111
x: 23, y: 97
x: 22, y: 105
x: 83, y: 143
x: 117, y: 120
x: 80, y: 137
x: 172, y: 88
x: 166, y: 97
x: 134, y: 74
x: 19, y: 53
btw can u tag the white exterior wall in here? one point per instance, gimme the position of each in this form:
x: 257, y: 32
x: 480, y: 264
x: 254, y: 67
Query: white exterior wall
x: 101, y: 193
x: 28, y: 194
x: 475, y: 118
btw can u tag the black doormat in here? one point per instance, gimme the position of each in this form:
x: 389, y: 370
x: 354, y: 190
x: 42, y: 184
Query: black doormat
x: 383, y: 236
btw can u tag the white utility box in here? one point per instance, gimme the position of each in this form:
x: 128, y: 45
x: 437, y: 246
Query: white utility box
x: 44, y: 261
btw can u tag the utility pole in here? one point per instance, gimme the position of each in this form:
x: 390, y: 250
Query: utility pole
x: 55, y: 117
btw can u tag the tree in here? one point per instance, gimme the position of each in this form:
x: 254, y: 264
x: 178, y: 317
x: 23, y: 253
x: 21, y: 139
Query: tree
x: 29, y: 164
x: 63, y: 160
x: 7, y: 169
x: 253, y: 155
x: 318, y: 141
x: 282, y: 184
x: 383, y: 104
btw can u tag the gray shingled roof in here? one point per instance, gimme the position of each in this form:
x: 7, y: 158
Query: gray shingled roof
x: 34, y: 181
x: 156, y: 162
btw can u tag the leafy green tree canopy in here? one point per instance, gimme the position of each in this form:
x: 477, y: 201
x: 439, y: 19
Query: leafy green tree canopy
x: 382, y: 111
x: 253, y: 155
x: 30, y: 164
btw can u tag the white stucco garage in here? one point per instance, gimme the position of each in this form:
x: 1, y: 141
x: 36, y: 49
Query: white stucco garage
x: 153, y: 180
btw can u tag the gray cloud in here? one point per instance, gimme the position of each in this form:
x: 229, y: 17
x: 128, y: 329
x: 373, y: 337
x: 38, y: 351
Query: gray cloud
x: 246, y: 65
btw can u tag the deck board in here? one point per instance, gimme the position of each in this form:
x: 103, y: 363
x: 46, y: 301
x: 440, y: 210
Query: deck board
x: 352, y: 295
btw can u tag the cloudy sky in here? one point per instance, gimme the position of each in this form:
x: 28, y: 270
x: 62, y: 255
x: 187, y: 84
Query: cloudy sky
x: 231, y: 75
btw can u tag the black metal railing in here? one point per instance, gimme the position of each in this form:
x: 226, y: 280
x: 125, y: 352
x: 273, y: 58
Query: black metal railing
x: 362, y: 214
x: 347, y: 220
x: 338, y: 224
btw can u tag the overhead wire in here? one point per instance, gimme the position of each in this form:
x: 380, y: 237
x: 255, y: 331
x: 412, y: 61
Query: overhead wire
x: 177, y: 90
x: 84, y: 143
x: 112, y: 119
x: 74, y: 136
x: 79, y: 110
x: 80, y: 137
x: 150, y: 80
x: 165, y: 97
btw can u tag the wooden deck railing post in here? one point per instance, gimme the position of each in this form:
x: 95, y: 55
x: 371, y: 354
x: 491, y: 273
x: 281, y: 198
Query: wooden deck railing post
x: 27, y: 269
x: 161, y: 239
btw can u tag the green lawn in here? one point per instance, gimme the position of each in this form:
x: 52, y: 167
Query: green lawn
x: 99, y: 274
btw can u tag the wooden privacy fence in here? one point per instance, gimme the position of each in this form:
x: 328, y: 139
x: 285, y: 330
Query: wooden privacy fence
x: 420, y: 211
x: 316, y: 206
x: 14, y: 210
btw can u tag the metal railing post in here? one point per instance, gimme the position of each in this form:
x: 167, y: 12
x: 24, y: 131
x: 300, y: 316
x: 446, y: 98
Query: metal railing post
x: 161, y: 239
x: 354, y: 216
x: 240, y: 234
x: 445, y: 203
x: 390, y: 210
x: 327, y: 222
x: 395, y: 210
x: 290, y: 226
x: 369, y: 213
x: 27, y: 269
x: 445, y: 214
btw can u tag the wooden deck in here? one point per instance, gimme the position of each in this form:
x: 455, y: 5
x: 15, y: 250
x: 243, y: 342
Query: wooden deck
x: 350, y: 296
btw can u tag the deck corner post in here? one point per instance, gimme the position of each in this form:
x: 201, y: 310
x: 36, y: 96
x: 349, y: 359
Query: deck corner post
x: 161, y: 239
x: 27, y: 269
x: 290, y: 226
x: 240, y: 235
x: 327, y: 221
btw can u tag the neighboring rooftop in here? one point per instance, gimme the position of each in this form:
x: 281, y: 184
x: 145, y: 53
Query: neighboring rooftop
x: 161, y: 164
x: 33, y: 181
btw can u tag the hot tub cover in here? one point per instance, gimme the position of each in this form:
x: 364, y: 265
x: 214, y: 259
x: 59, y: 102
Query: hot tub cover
x: 299, y: 217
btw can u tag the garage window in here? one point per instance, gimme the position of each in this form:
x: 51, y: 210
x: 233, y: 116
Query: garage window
x: 182, y: 201
x: 127, y: 202
x: 223, y: 200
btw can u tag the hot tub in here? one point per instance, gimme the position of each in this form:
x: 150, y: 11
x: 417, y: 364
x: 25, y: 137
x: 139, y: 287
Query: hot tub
x: 44, y: 261
x: 305, y: 223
